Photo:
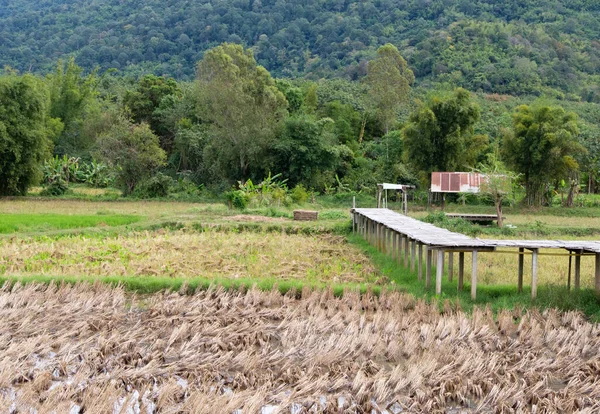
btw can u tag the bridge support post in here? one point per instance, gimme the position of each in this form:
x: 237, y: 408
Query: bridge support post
x: 474, y: 276
x: 450, y: 266
x: 439, y: 272
x: 428, y: 253
x: 521, y: 265
x: 413, y: 254
x: 534, y: 271
x: 420, y: 262
x: 577, y: 284
x: 461, y: 269
x: 597, y: 274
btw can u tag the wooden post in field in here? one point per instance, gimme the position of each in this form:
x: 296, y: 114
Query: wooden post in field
x: 474, y: 276
x: 577, y: 283
x: 521, y: 265
x: 394, y: 244
x: 450, y: 265
x: 461, y: 269
x: 570, y: 267
x: 534, y: 270
x: 413, y: 254
x: 439, y: 272
x: 420, y: 261
x: 399, y: 253
x: 597, y: 274
x: 428, y: 254
x: 406, y: 243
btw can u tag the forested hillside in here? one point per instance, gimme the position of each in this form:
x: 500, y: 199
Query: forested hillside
x: 530, y: 47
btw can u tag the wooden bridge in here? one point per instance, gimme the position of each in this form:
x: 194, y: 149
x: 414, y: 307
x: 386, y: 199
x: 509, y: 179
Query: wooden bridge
x: 409, y: 239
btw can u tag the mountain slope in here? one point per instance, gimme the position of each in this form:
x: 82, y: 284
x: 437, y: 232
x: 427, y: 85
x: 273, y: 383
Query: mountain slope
x: 510, y: 47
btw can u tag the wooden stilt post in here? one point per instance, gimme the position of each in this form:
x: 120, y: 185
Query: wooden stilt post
x: 399, y: 252
x: 474, y: 276
x: 450, y: 266
x: 420, y: 261
x: 428, y: 264
x: 534, y: 270
x: 577, y: 283
x: 413, y: 254
x: 461, y: 269
x: 394, y: 245
x: 385, y: 239
x: 406, y: 243
x: 521, y: 265
x: 570, y: 267
x: 373, y: 234
x: 439, y: 272
x: 597, y: 274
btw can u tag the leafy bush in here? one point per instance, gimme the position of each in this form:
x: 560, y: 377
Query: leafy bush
x: 299, y: 194
x: 457, y: 225
x: 95, y: 174
x: 271, y: 191
x: 184, y: 188
x: 237, y: 199
x: 55, y: 188
x: 156, y: 186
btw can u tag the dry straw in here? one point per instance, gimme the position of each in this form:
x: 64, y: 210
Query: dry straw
x: 105, y: 351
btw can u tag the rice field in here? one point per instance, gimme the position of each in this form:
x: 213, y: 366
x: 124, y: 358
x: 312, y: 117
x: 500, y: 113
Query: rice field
x: 181, y: 254
x: 501, y: 268
x: 96, y: 349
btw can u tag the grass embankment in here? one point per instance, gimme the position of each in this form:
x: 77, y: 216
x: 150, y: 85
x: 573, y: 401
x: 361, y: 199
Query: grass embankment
x: 497, y: 297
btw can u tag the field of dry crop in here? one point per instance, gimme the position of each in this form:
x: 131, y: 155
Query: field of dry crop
x: 323, y: 258
x: 94, y: 349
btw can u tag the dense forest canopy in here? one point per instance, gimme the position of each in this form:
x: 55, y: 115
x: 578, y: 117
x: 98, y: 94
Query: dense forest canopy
x: 163, y: 98
x: 508, y: 47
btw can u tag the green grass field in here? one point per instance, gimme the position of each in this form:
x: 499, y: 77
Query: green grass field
x: 13, y: 223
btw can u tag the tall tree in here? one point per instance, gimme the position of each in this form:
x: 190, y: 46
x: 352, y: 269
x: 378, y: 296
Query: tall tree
x: 439, y: 135
x: 243, y: 106
x: 389, y: 79
x: 133, y: 150
x: 71, y: 95
x: 152, y: 96
x: 542, y: 147
x: 304, y: 151
x: 497, y: 183
x: 24, y: 133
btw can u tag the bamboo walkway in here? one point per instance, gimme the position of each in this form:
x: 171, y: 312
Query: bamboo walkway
x: 406, y: 238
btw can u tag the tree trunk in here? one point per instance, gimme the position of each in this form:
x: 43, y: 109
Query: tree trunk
x: 499, y: 213
x: 362, y: 129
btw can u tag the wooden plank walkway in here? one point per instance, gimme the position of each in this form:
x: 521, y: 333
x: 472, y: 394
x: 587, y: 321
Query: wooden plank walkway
x: 402, y: 236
